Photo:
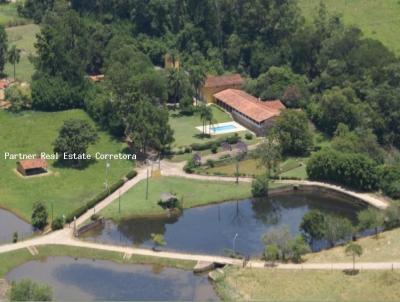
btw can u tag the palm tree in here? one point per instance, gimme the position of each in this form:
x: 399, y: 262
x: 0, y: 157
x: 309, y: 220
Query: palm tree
x: 203, y: 115
x: 197, y: 77
x: 354, y: 249
x: 14, y: 55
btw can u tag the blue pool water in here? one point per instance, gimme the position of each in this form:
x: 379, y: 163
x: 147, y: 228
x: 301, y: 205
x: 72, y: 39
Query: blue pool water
x: 224, y: 128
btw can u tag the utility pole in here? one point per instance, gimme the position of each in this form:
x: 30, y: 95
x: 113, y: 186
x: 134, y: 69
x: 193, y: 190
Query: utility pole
x: 234, y: 243
x: 147, y: 184
x: 106, y: 183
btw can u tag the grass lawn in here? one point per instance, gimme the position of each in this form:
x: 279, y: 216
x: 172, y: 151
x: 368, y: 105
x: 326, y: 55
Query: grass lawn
x: 185, y: 131
x: 377, y: 19
x: 290, y: 167
x: 66, y: 188
x: 283, y: 285
x: 193, y: 192
x: 23, y: 37
x: 10, y: 260
x: 9, y: 15
x: 385, y: 248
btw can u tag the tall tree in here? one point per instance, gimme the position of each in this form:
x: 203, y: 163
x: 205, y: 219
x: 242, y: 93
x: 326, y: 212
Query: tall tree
x: 354, y: 249
x: 14, y: 55
x: 3, y: 49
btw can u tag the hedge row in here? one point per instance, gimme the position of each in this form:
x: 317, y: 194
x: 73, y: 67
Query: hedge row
x: 94, y: 201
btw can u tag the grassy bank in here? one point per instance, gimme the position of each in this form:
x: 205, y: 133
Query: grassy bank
x: 384, y: 248
x: 282, y: 285
x: 10, y: 260
x: 65, y: 188
x: 377, y: 19
x: 23, y: 37
x: 193, y: 192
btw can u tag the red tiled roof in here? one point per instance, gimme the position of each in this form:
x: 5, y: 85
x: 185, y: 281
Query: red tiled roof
x: 4, y: 83
x: 33, y: 164
x: 223, y: 80
x: 250, y: 105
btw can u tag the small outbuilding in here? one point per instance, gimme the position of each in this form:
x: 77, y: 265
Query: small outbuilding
x: 31, y: 167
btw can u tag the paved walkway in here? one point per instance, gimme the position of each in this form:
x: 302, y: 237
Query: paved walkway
x: 176, y: 169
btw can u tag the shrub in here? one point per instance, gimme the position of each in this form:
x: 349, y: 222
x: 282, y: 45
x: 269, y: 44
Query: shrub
x: 248, y: 136
x: 94, y: 217
x: 390, y: 181
x: 76, y: 213
x: 392, y: 215
x: 27, y: 290
x: 39, y: 216
x: 188, y: 150
x: 19, y: 97
x: 233, y: 139
x: 131, y: 174
x: 15, y: 237
x: 214, y: 148
x: 190, y: 165
x: 57, y: 224
x: 210, y: 163
x: 259, y: 186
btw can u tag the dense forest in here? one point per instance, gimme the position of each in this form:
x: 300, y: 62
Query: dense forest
x: 347, y: 84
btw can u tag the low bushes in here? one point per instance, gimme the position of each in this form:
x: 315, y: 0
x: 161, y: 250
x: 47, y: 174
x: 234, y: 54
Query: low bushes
x: 233, y: 139
x: 57, y: 224
x: 94, y: 201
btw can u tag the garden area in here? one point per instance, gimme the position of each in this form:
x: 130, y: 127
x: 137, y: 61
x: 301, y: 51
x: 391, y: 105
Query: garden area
x: 65, y: 188
x: 189, y: 192
x: 184, y: 126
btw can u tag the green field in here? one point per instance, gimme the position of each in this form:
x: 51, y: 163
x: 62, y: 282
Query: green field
x: 185, y: 131
x: 65, y: 188
x: 379, y: 19
x: 9, y: 16
x: 134, y: 203
x: 24, y: 38
x: 286, y: 285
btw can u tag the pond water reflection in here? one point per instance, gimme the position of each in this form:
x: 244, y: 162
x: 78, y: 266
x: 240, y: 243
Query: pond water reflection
x: 83, y: 280
x: 10, y: 223
x: 211, y: 229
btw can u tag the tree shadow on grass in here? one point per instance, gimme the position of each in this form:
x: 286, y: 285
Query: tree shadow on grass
x: 351, y: 272
x: 74, y: 164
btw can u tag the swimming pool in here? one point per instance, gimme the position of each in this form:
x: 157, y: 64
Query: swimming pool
x: 222, y: 128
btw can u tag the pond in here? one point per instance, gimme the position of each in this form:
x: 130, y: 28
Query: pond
x: 10, y: 223
x: 83, y: 280
x: 211, y: 229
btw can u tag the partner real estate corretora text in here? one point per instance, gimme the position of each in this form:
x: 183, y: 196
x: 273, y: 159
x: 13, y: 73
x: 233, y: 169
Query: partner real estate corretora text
x: 68, y: 156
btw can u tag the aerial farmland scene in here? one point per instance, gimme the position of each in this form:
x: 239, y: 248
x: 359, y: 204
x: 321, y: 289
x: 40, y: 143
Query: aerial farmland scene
x: 199, y: 150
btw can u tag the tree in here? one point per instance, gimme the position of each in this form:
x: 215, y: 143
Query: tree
x: 259, y: 186
x: 281, y: 238
x: 389, y: 176
x: 14, y: 55
x: 28, y: 290
x: 206, y: 115
x: 299, y: 248
x: 370, y: 219
x: 3, y: 49
x: 337, y: 228
x: 73, y: 139
x: 269, y: 153
x: 39, y: 216
x: 271, y: 253
x: 147, y: 125
x: 351, y: 169
x: 275, y: 84
x: 353, y: 249
x: 158, y: 240
x: 178, y: 85
x: 293, y: 132
x: 313, y: 225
